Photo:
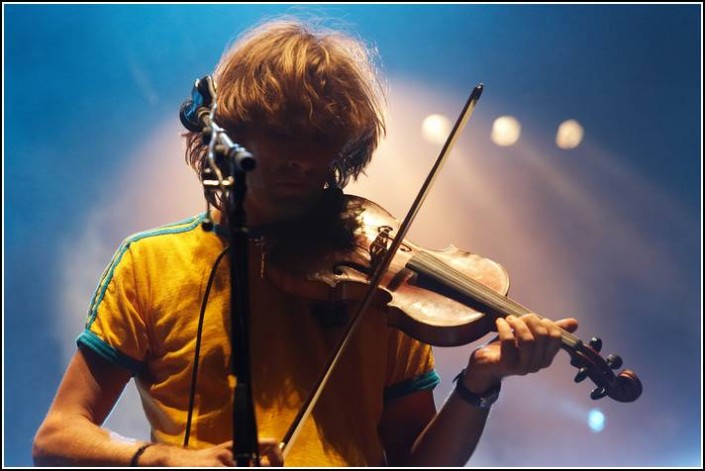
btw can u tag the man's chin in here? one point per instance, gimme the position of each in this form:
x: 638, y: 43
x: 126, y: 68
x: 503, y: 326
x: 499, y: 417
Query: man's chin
x: 289, y: 205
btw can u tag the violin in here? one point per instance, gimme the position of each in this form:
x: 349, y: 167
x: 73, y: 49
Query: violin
x: 441, y: 297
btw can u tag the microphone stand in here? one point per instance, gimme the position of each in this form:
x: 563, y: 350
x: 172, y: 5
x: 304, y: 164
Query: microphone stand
x: 245, y: 447
x: 222, y: 150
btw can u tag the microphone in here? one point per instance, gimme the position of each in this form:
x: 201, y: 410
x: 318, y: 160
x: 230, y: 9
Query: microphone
x: 195, y: 116
x: 195, y: 113
x: 243, y: 160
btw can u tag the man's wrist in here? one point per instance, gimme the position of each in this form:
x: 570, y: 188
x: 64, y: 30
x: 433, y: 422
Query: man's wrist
x: 138, y: 453
x: 478, y: 384
x: 480, y: 374
x: 481, y: 397
x: 152, y: 454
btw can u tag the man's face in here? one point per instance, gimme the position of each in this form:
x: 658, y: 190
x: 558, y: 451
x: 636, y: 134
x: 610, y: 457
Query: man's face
x: 290, y: 174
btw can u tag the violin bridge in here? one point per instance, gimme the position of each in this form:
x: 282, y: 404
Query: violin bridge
x: 379, y: 247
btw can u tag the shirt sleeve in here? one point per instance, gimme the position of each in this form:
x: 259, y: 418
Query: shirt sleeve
x: 410, y: 366
x: 116, y: 328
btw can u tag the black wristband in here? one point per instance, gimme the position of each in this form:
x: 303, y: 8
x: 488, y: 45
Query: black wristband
x: 138, y: 453
x: 483, y: 401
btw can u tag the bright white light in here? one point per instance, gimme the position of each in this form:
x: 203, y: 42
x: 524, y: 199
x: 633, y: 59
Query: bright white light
x: 506, y: 131
x: 596, y: 420
x: 435, y: 128
x: 569, y: 135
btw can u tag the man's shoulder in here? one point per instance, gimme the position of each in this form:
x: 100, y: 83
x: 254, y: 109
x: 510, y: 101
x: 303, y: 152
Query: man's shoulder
x: 185, y: 231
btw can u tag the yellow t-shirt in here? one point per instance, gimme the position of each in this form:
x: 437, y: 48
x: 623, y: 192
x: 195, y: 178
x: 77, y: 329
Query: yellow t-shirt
x: 144, y: 317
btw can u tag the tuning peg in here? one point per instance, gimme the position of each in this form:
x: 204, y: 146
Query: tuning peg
x: 614, y: 361
x: 596, y: 344
x: 582, y: 374
x: 598, y: 393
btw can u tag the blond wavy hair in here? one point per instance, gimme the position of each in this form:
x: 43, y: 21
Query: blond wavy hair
x: 294, y: 79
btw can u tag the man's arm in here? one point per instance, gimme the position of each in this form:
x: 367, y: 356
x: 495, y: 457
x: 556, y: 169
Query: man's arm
x: 70, y: 434
x: 414, y: 435
x: 411, y: 432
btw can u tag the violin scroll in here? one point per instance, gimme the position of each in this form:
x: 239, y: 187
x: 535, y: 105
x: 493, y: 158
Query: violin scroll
x: 624, y: 387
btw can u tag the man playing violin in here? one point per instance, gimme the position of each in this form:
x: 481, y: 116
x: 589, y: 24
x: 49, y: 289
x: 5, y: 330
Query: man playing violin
x: 306, y: 103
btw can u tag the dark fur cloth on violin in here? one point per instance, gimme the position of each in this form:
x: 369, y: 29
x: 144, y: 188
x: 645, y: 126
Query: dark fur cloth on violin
x: 327, y: 227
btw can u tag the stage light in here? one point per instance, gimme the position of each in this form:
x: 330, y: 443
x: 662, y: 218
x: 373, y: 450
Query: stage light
x: 596, y: 420
x: 435, y: 128
x: 569, y: 135
x: 506, y: 131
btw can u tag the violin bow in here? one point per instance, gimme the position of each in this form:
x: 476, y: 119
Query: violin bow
x: 383, y: 265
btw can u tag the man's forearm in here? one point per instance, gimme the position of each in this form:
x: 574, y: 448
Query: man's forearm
x: 78, y: 442
x: 451, y: 437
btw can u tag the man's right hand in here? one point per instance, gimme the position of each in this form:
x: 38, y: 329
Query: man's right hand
x: 215, y: 456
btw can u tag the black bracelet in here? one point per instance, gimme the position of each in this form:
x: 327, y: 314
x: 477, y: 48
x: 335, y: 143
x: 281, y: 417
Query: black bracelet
x: 138, y: 453
x: 481, y: 401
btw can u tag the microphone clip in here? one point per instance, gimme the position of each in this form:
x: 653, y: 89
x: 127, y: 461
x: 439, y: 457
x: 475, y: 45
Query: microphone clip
x: 195, y: 113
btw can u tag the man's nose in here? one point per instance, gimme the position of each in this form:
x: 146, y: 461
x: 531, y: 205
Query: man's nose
x: 297, y: 165
x: 306, y: 160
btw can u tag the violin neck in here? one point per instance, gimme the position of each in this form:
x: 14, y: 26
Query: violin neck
x: 437, y: 276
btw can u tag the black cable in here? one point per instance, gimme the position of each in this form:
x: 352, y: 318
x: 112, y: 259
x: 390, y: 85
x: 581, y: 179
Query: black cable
x: 204, y: 303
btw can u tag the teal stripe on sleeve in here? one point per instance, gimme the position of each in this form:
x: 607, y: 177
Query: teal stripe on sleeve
x: 176, y: 228
x: 91, y: 341
x: 116, y: 256
x: 427, y: 380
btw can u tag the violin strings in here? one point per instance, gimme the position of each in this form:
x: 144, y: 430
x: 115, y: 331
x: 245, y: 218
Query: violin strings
x: 428, y: 265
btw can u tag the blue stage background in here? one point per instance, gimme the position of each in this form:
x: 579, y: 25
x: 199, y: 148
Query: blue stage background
x: 609, y: 232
